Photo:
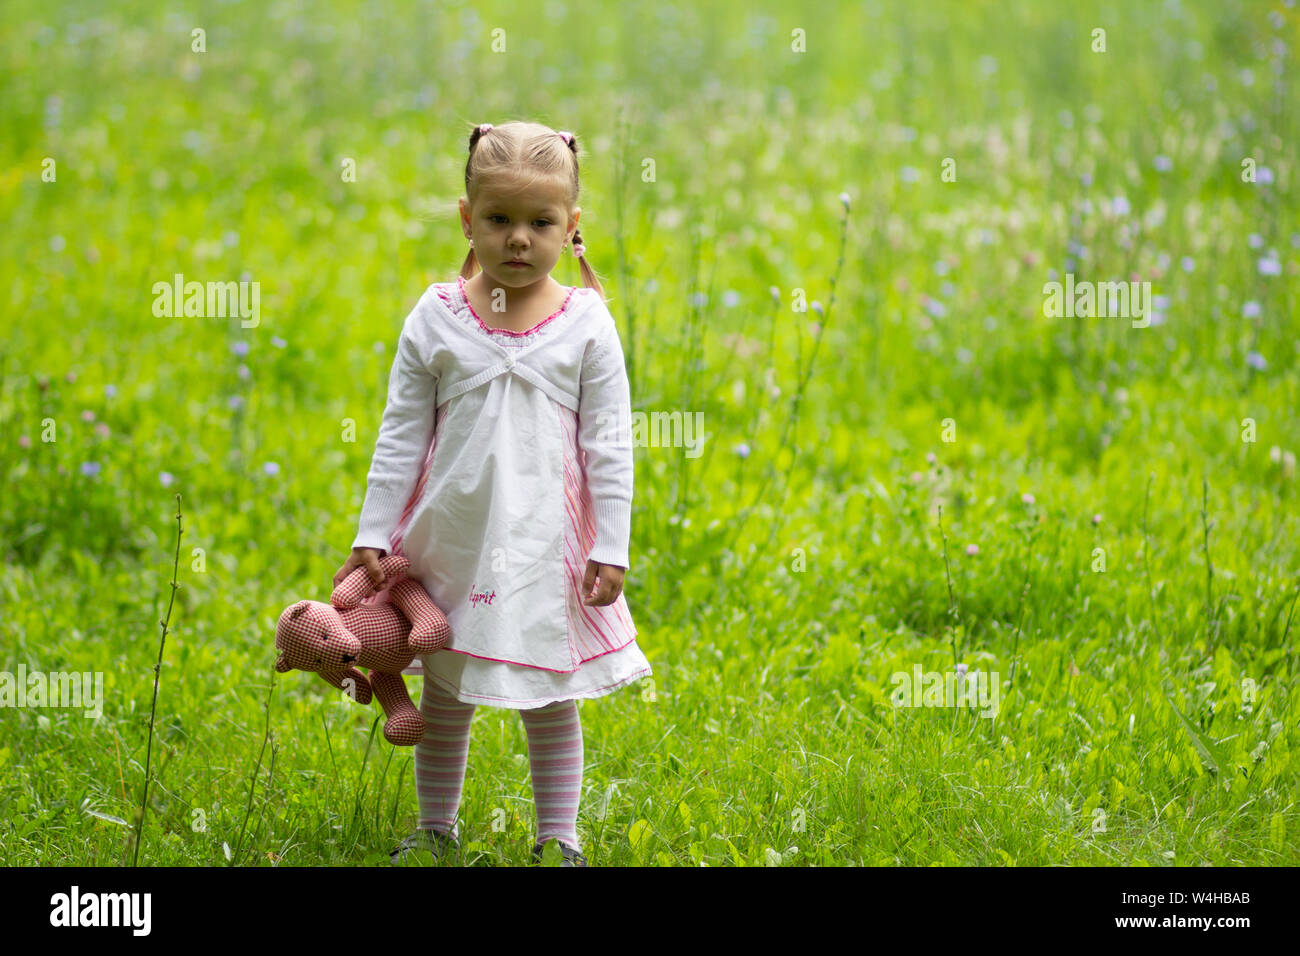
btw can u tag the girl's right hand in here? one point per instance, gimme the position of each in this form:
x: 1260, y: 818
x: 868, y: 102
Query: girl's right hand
x: 363, y: 557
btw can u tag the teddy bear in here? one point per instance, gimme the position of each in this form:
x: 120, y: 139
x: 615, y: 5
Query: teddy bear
x: 332, y: 639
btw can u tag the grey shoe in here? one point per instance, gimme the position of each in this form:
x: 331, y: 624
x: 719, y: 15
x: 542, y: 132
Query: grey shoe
x: 434, y: 841
x: 571, y: 857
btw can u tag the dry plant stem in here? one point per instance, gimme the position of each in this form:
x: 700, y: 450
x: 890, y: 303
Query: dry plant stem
x: 1209, y: 568
x: 252, y: 783
x: 157, y: 668
x: 952, y: 600
x: 1146, y: 555
x: 1020, y: 613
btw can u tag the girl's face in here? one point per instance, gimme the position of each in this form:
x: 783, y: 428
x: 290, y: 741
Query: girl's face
x: 507, y: 224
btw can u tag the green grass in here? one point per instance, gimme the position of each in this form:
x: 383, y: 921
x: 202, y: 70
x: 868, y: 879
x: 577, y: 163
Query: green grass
x: 1151, y: 719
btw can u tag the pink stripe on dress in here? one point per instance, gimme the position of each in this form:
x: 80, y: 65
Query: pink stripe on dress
x: 596, y: 630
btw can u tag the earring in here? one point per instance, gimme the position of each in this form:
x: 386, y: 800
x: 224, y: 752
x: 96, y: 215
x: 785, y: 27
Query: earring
x: 471, y: 243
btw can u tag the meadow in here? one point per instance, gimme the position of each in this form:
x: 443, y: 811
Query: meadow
x: 826, y: 230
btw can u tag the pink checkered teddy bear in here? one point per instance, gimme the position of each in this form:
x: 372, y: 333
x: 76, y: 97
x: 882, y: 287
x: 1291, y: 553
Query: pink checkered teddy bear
x: 384, y: 637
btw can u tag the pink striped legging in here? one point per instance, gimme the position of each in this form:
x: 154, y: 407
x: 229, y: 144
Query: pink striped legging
x: 554, y: 756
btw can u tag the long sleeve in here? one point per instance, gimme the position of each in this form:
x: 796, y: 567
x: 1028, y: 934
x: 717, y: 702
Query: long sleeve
x: 404, y: 436
x: 605, y: 436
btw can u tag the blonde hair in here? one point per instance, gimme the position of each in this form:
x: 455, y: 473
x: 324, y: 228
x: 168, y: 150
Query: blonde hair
x: 524, y: 153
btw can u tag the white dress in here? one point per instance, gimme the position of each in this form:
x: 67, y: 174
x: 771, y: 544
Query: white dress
x: 501, y: 522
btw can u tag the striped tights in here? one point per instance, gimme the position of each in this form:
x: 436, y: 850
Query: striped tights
x: 554, y: 756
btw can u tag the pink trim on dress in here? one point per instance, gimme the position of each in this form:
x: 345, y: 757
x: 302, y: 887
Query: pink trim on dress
x: 487, y: 328
x: 634, y: 676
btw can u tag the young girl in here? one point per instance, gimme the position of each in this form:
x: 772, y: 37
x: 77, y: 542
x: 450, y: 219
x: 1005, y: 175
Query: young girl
x: 503, y: 471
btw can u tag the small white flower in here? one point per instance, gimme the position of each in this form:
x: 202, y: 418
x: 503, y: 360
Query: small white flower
x: 1027, y: 498
x: 844, y: 198
x: 1250, y: 310
x: 1188, y: 263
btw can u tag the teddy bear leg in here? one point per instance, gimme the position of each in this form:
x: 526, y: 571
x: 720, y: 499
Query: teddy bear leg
x: 405, y: 725
x: 429, y: 627
x: 351, y: 681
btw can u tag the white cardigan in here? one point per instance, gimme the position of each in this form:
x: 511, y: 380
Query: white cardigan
x: 577, y: 359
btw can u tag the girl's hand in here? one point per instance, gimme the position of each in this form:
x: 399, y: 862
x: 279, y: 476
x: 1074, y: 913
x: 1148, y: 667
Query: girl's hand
x: 611, y: 584
x: 363, y: 557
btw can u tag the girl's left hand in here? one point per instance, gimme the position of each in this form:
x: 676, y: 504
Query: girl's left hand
x: 611, y: 584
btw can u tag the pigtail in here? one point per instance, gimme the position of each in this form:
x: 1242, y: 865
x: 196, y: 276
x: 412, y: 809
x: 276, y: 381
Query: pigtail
x: 471, y: 265
x: 588, y: 273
